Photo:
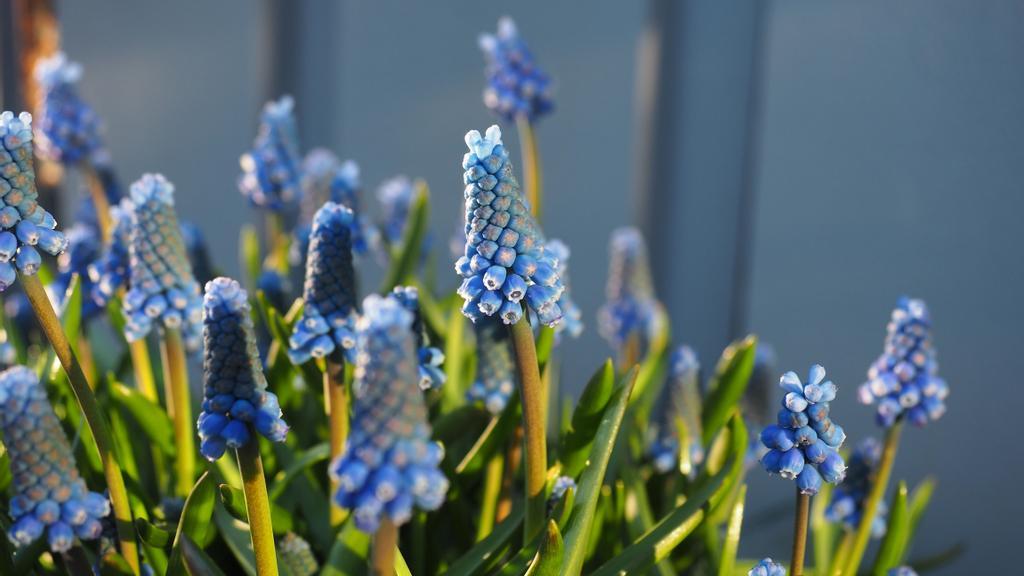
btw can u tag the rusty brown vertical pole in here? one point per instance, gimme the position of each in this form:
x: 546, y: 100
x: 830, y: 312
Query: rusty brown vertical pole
x: 36, y: 35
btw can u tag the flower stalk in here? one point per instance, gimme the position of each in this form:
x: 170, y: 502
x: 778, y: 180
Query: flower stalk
x: 385, y: 542
x: 179, y: 407
x: 257, y: 504
x: 803, y: 507
x: 336, y: 405
x: 531, y: 164
x: 531, y: 390
x: 99, y: 200
x: 881, y: 482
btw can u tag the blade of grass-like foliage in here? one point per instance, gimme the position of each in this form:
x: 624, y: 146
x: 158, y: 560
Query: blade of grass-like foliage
x: 405, y: 256
x: 727, y: 386
x: 453, y: 391
x: 890, y: 553
x: 303, y: 462
x: 549, y: 558
x: 734, y: 465
x: 822, y: 531
x: 401, y: 567
x: 919, y: 500
x: 152, y: 535
x: 349, y: 554
x: 249, y: 253
x: 195, y: 520
x: 652, y: 371
x: 485, y: 552
x: 545, y: 344
x: 731, y: 545
x: 151, y: 418
x: 638, y: 515
x: 235, y: 534
x: 585, y: 420
x: 233, y: 500
x: 196, y: 561
x: 71, y: 321
x: 312, y: 504
x: 493, y: 439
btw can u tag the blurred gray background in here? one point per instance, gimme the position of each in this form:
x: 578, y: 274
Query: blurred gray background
x: 796, y: 165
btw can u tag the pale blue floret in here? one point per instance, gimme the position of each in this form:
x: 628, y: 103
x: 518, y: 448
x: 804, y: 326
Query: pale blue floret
x: 109, y: 272
x: 572, y: 317
x: 327, y: 179
x: 848, y: 498
x: 516, y: 86
x: 68, y: 129
x: 902, y: 571
x: 767, y: 567
x: 679, y: 401
x: 271, y: 170
x: 81, y: 254
x: 630, y: 309
x: 431, y: 358
x: 396, y: 197
x: 495, y: 367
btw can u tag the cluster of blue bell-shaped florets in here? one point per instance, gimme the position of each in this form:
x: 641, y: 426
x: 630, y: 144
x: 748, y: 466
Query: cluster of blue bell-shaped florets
x: 329, y: 313
x: 68, y: 128
x: 516, y: 86
x: 327, y: 179
x: 572, y: 318
x: 396, y: 196
x: 271, y: 170
x: 679, y: 401
x: 162, y: 291
x: 431, y: 358
x: 767, y: 567
x: 24, y: 224
x: 198, y: 252
x: 109, y: 271
x: 235, y: 395
x: 848, y: 498
x: 904, y: 379
x: 390, y: 463
x: 504, y: 263
x: 902, y: 571
x: 630, y: 309
x: 804, y: 443
x: 84, y: 248
x: 495, y: 379
x: 50, y: 497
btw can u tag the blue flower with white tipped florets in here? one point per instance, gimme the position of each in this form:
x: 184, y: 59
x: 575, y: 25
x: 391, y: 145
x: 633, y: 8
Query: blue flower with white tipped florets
x: 504, y: 263
x: 271, y: 170
x: 162, y: 292
x: 572, y: 317
x: 396, y: 196
x: 235, y: 395
x: 495, y: 367
x: 767, y: 567
x: 49, y: 496
x: 847, y: 505
x: 516, y: 86
x: 902, y: 571
x: 109, y: 272
x: 804, y: 443
x: 431, y: 358
x: 329, y: 313
x: 24, y: 225
x: 904, y: 379
x: 389, y: 464
x: 83, y: 250
x: 326, y: 179
x: 679, y: 401
x: 631, y: 309
x: 68, y: 128
x: 198, y: 252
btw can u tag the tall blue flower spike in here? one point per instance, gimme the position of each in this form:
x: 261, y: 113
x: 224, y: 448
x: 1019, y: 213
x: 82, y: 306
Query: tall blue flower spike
x: 109, y: 272
x: 296, y: 556
x: 904, y: 379
x: 68, y: 129
x: 679, y: 401
x: 516, y: 86
x: 390, y: 464
x: 495, y: 366
x: 803, y: 445
x: 198, y: 252
x: 83, y: 250
x: 326, y: 179
x: 329, y: 314
x: 50, y: 497
x: 572, y: 317
x: 162, y: 291
x: 396, y: 196
x: 235, y: 395
x: 430, y: 358
x: 902, y: 571
x: 767, y: 567
x: 631, y: 307
x: 25, y: 227
x: 504, y: 264
x: 271, y: 170
x: 847, y: 505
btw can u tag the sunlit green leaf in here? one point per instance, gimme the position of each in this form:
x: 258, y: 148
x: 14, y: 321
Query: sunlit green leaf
x: 585, y: 420
x: 195, y: 520
x: 491, y: 548
x: 732, y: 533
x: 406, y: 256
x: 727, y: 386
x: 151, y: 418
x: 894, y: 543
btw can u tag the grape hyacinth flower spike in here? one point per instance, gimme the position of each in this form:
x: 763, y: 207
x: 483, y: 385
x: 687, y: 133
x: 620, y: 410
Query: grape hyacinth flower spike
x: 767, y: 567
x: 50, y: 496
x: 572, y: 318
x: 271, y: 170
x: 430, y: 357
x: 902, y: 571
x: 327, y: 179
x: 109, y: 272
x: 630, y: 317
x: 679, y: 403
x: 68, y: 129
x: 83, y: 250
x: 516, y: 86
x: 847, y: 505
x: 495, y: 368
x: 396, y: 197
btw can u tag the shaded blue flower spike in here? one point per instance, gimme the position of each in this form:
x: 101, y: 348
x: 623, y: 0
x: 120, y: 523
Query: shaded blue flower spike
x: 561, y: 486
x: 50, y: 497
x: 296, y: 556
x: 25, y: 227
x: 495, y: 366
x: 68, y: 129
x: 326, y: 179
x: 516, y: 86
x: 902, y: 571
x: 904, y: 379
x: 109, y: 272
x: 275, y: 286
x: 235, y: 395
x: 390, y: 463
x: 630, y: 307
x: 804, y: 444
x: 767, y: 567
x: 430, y: 358
x: 84, y: 248
x: 271, y: 170
x: 329, y: 314
x: 162, y: 292
x: 8, y: 353
x: 847, y: 505
x: 504, y: 264
x: 396, y: 196
x: 679, y: 401
x: 572, y: 319
x: 198, y: 252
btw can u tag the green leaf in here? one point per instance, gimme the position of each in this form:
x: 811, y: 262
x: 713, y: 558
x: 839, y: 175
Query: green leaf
x: 405, y: 257
x: 545, y: 344
x: 735, y: 467
x: 196, y: 561
x: 727, y: 386
x: 195, y: 520
x: 919, y: 500
x: 151, y: 418
x: 593, y: 476
x: 113, y: 564
x: 71, y: 321
x: 894, y: 544
x: 26, y: 557
x: 585, y: 420
x: 233, y: 500
x: 235, y: 534
x: 349, y: 554
x: 732, y: 533
x: 150, y: 534
x: 493, y: 439
x: 454, y: 390
x: 491, y: 548
x: 822, y: 531
x: 401, y: 567
x: 249, y: 247
x: 549, y: 558
x: 305, y: 460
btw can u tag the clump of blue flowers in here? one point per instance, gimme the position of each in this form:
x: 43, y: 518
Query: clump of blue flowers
x: 572, y: 318
x: 162, y: 291
x: 679, y: 401
x: 495, y: 367
x: 504, y: 263
x: 198, y: 252
x: 767, y: 567
x: 390, y: 464
x: 271, y: 170
x: 83, y: 249
x: 68, y: 128
x: 631, y: 308
x: 25, y: 227
x: 329, y: 314
x: 396, y: 196
x: 235, y: 395
x: 904, y: 379
x: 847, y: 505
x: 50, y: 496
x: 803, y: 445
x: 430, y: 357
x: 516, y: 86
x: 109, y: 272
x: 327, y: 179
x: 902, y: 571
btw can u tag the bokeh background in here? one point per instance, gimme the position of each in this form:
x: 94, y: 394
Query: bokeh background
x: 795, y: 164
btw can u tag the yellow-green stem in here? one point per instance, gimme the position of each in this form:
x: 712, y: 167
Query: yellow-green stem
x: 277, y: 243
x: 143, y: 367
x: 513, y: 458
x: 179, y: 408
x: 385, y: 542
x: 88, y: 361
x: 99, y: 200
x: 531, y: 164
x: 336, y: 406
x: 842, y: 554
x: 93, y: 415
x: 531, y: 391
x: 878, y: 486
x: 803, y: 509
x: 492, y: 490
x: 257, y: 504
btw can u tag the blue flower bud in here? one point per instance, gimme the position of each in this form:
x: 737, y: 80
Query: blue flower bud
x: 630, y: 307
x: 430, y: 358
x: 767, y: 567
x: 776, y: 438
x: 109, y: 272
x: 271, y: 170
x: 809, y: 481
x: 791, y: 463
x: 68, y: 128
x: 516, y: 86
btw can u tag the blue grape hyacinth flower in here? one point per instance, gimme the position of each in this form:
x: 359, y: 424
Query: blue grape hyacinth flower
x: 516, y: 86
x: 902, y: 571
x: 235, y: 396
x: 198, y: 252
x: 109, y: 272
x: 271, y: 170
x: 390, y: 464
x: 767, y: 567
x: 572, y: 318
x: 630, y: 309
x: 162, y: 293
x: 68, y: 129
x: 504, y: 264
x: 495, y: 379
x: 848, y: 498
x: 430, y: 357
x: 396, y: 197
x: 84, y: 248
x: 329, y: 314
x: 804, y: 444
x: 25, y: 227
x: 679, y: 402
x: 50, y: 496
x: 327, y: 179
x: 904, y: 380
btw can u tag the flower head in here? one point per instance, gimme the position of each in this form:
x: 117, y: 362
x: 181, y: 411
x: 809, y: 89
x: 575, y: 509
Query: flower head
x: 198, y: 252
x: 235, y: 395
x: 902, y: 571
x: 516, y: 86
x: 504, y: 264
x: 271, y: 170
x: 390, y: 464
x: 83, y: 250
x: 162, y: 292
x: 631, y: 309
x: 848, y: 498
x: 297, y: 555
x: 679, y: 403
x: 329, y: 314
x: 396, y: 196
x: 68, y: 128
x: 50, y: 496
x: 109, y: 272
x: 767, y: 567
x: 572, y: 317
x: 803, y: 445
x: 495, y: 367
x: 326, y: 179
x: 904, y: 379
x: 430, y: 357
x: 25, y: 226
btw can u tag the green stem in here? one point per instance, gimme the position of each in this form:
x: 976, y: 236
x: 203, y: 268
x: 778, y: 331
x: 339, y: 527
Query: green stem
x: 99, y: 200
x: 842, y: 554
x: 803, y: 509
x: 143, y: 367
x: 336, y: 406
x: 492, y: 490
x: 93, y: 415
x: 531, y: 389
x: 878, y: 486
x: 531, y: 164
x: 257, y: 504
x: 277, y: 243
x: 179, y: 408
x: 385, y: 542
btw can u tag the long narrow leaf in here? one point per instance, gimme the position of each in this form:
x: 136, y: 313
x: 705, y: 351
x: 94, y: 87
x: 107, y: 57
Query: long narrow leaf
x: 890, y: 554
x: 727, y: 386
x: 486, y: 551
x: 586, y: 418
x: 195, y: 520
x: 732, y: 533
